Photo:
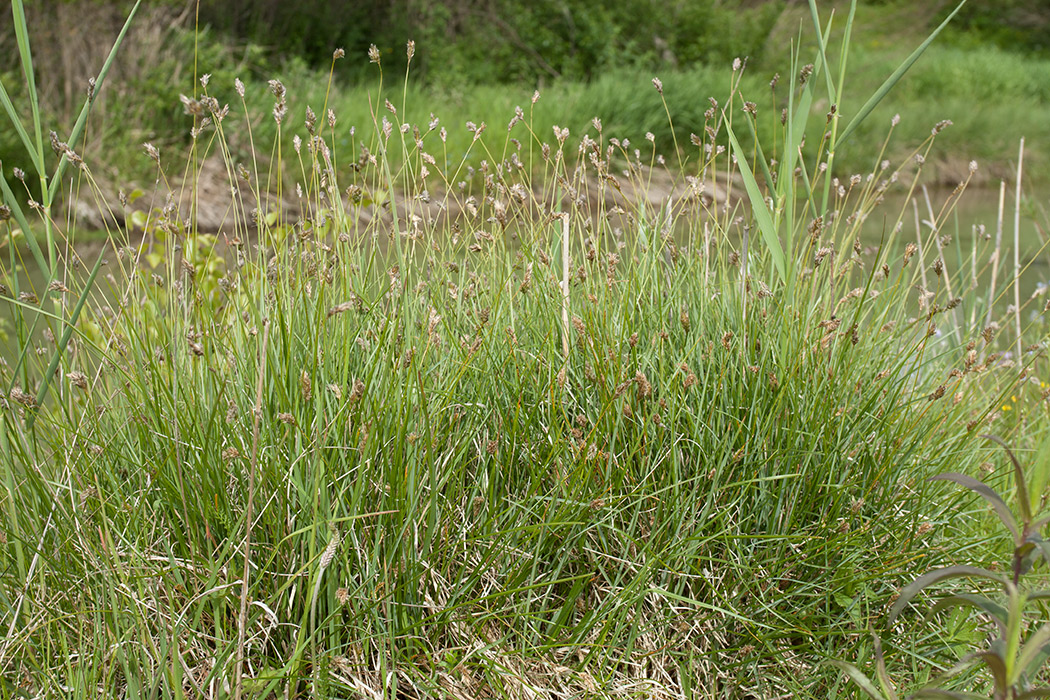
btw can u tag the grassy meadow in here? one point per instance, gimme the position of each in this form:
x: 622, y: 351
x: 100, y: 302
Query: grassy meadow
x: 505, y: 406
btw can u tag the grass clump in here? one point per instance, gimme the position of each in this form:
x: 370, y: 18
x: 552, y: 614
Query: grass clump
x: 435, y: 432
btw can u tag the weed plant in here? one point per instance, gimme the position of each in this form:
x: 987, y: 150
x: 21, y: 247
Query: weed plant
x: 504, y: 433
x: 1014, y: 657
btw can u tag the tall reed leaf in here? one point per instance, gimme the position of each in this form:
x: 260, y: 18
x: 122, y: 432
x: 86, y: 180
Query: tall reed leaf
x: 894, y: 77
x: 758, y: 206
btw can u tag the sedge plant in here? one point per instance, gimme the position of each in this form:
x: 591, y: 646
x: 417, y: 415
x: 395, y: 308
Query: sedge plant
x: 410, y: 426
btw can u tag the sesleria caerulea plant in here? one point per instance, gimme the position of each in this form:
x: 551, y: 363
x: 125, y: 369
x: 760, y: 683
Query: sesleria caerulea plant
x: 515, y: 424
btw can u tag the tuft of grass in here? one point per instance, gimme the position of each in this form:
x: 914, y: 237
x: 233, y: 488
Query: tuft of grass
x: 353, y: 446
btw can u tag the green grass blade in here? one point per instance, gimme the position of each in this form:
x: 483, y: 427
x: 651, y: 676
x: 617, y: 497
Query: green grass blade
x: 78, y: 127
x: 20, y: 217
x: 892, y: 80
x: 758, y: 206
x: 26, y: 56
x: 23, y: 135
x: 822, y: 50
x: 60, y: 349
x: 760, y: 156
x: 916, y: 586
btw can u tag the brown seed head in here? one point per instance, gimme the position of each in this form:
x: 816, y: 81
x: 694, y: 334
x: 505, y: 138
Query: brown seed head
x: 78, y: 379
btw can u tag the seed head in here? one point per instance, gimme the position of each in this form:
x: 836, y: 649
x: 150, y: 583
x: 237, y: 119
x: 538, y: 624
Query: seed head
x: 337, y: 54
x: 909, y: 250
x: 239, y: 87
x: 803, y: 75
x: 411, y: 49
x: 22, y: 397
x: 373, y: 54
x: 330, y: 550
x: 78, y: 379
x: 941, y: 126
x: 658, y: 85
x: 57, y: 146
x: 526, y: 283
x: 645, y: 389
x: 357, y: 392
x: 152, y: 152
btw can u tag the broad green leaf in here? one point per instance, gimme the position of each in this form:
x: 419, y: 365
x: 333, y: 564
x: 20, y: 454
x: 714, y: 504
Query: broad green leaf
x: 1019, y: 479
x: 1044, y: 547
x: 1032, y: 654
x: 948, y: 694
x: 995, y: 664
x: 991, y: 608
x: 858, y: 677
x: 1039, y: 474
x: 758, y: 206
x: 138, y: 219
x: 886, y: 86
x: 880, y: 671
x: 935, y: 576
x: 1001, y: 509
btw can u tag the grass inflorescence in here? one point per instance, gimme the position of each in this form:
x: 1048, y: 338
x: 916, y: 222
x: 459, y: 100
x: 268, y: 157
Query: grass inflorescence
x: 557, y: 421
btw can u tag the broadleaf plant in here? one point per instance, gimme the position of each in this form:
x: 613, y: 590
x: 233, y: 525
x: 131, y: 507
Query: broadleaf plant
x: 1015, y: 656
